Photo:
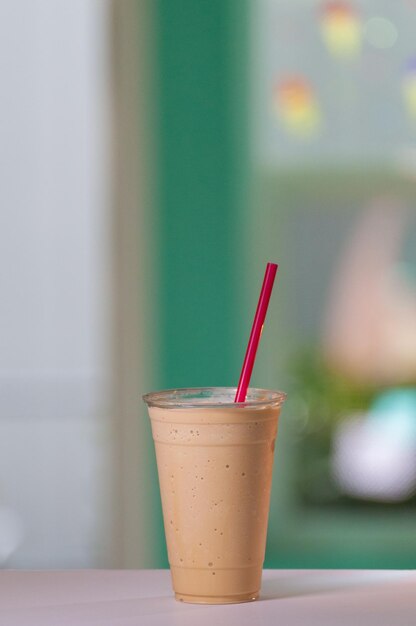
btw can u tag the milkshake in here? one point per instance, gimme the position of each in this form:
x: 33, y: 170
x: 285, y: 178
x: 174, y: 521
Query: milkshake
x: 215, y: 460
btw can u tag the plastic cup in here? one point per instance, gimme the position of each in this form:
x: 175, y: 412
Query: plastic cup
x: 215, y: 460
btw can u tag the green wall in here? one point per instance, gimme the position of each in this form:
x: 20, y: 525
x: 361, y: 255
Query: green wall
x: 200, y: 178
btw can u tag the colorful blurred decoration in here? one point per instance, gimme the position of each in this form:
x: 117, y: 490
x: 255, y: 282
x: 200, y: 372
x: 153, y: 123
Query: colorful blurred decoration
x: 409, y: 88
x: 297, y: 107
x: 374, y: 454
x: 356, y: 394
x: 370, y: 329
x: 341, y: 29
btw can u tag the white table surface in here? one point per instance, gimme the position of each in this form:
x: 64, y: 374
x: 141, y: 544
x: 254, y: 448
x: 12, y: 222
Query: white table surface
x: 144, y: 597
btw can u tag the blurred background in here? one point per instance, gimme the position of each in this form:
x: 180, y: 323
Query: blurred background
x: 155, y: 155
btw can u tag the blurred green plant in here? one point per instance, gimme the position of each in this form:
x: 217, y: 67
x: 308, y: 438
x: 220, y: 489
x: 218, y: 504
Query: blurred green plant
x: 326, y: 394
x: 320, y: 398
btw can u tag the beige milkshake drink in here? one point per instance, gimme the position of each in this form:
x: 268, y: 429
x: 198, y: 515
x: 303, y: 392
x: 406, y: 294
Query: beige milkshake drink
x: 215, y: 461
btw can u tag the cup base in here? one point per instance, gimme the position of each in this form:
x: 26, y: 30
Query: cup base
x: 234, y: 599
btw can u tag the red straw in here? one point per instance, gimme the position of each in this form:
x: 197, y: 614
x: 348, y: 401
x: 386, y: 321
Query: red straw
x: 256, y: 331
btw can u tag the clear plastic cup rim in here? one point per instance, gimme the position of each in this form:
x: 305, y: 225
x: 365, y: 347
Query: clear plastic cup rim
x: 213, y: 397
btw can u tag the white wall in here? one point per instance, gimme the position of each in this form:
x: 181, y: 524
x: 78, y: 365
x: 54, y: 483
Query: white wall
x: 55, y: 255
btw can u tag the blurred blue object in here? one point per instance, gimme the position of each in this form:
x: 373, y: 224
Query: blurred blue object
x: 395, y: 411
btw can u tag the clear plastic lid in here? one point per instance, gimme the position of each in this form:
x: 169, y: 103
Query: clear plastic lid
x: 213, y: 397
